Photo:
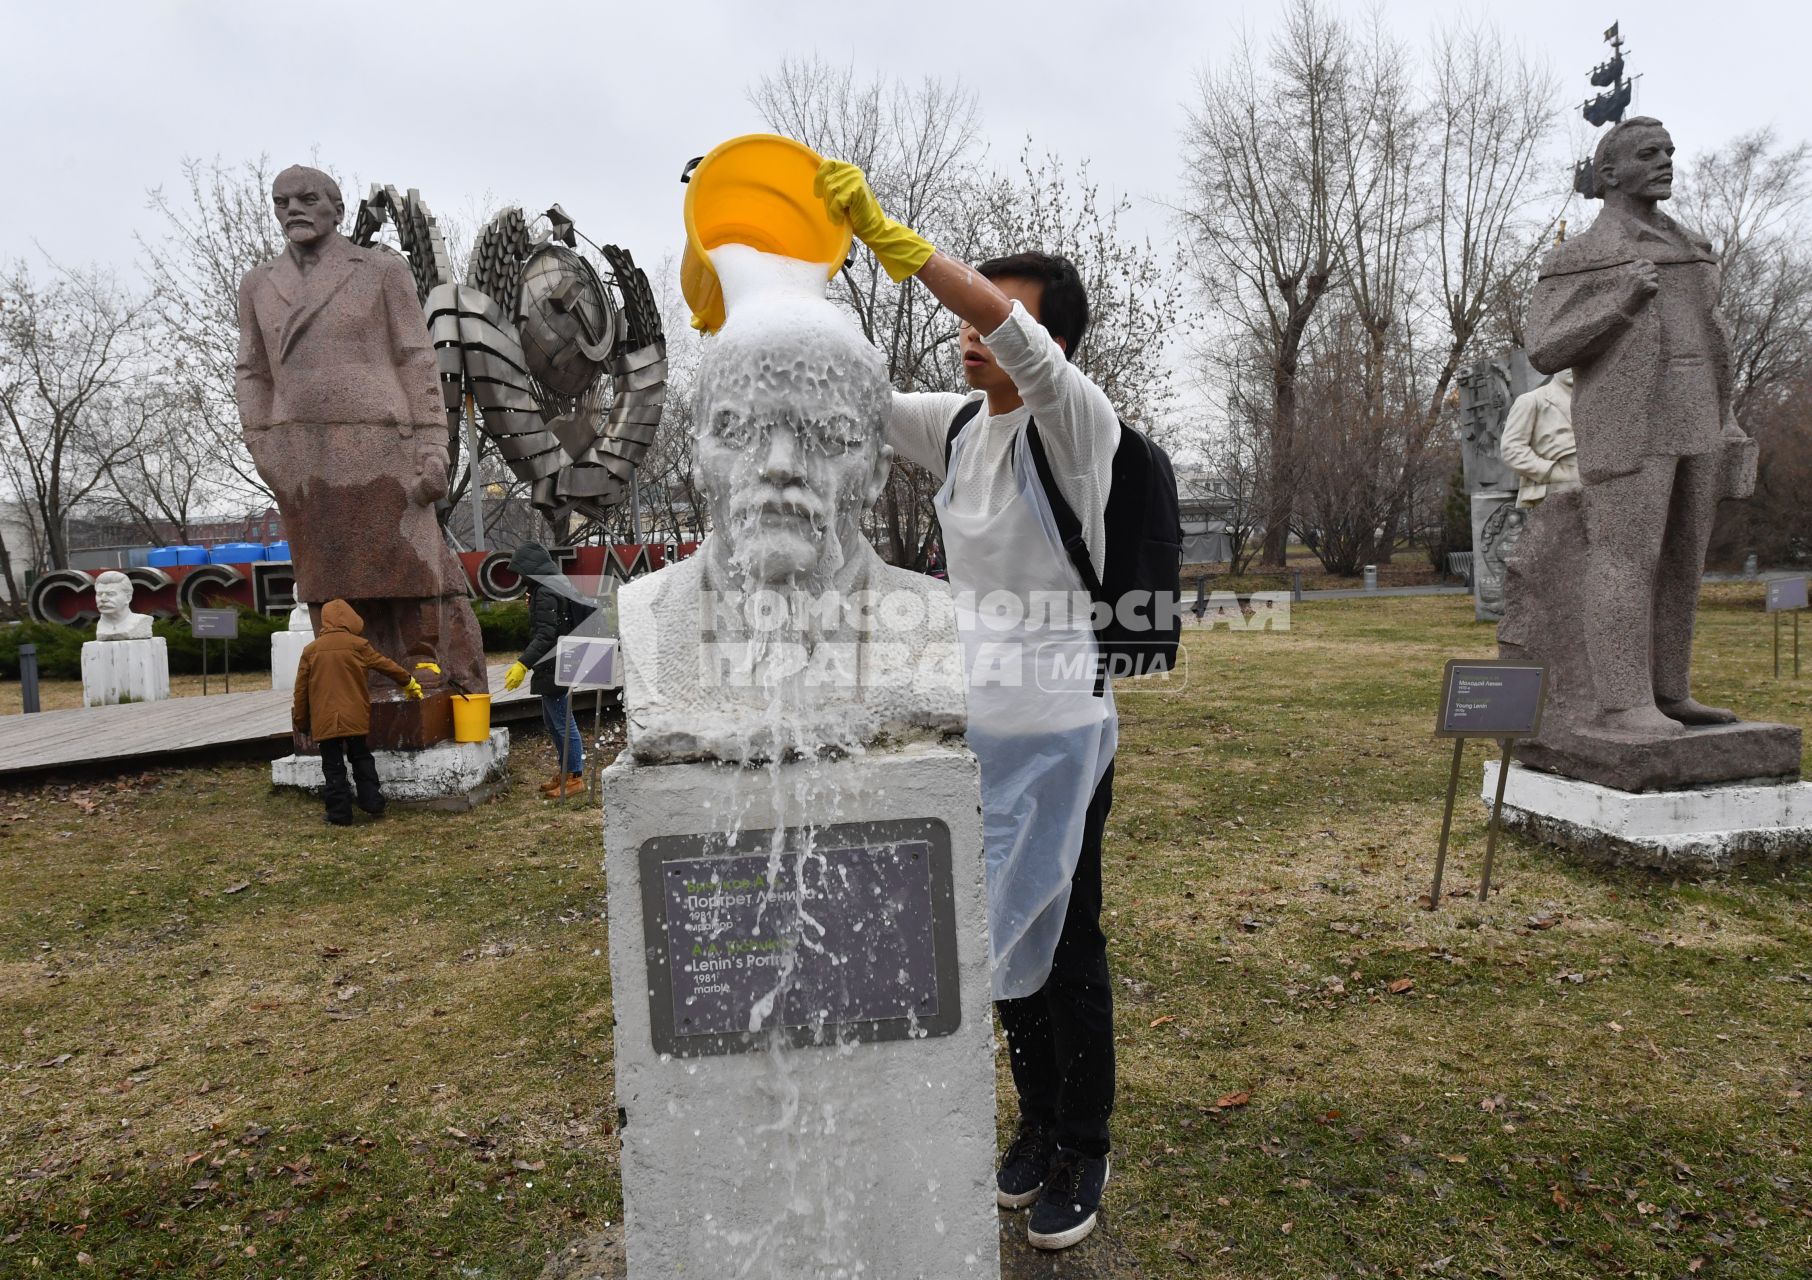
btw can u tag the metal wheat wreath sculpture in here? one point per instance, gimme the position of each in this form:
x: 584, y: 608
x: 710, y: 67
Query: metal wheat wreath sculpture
x: 566, y: 363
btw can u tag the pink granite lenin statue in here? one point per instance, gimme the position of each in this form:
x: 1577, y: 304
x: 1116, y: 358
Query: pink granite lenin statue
x: 342, y: 409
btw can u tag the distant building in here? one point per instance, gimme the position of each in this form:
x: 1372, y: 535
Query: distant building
x: 1204, y: 510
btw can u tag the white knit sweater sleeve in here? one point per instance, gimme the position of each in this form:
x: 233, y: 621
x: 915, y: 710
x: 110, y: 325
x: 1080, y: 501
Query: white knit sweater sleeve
x: 1078, y: 426
x: 918, y: 424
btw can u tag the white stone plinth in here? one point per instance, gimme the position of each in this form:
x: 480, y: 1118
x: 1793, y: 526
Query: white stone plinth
x: 818, y: 1159
x: 1696, y: 832
x: 286, y: 655
x: 125, y: 671
x: 453, y: 775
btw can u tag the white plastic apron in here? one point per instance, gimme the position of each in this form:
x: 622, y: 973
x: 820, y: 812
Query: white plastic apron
x: 1042, y: 737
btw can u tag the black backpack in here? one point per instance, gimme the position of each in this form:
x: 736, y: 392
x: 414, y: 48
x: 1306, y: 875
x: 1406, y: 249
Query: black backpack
x: 1144, y: 552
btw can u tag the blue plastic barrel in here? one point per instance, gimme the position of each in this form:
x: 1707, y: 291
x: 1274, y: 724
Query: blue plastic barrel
x: 190, y: 555
x: 277, y: 551
x: 162, y: 558
x: 236, y: 553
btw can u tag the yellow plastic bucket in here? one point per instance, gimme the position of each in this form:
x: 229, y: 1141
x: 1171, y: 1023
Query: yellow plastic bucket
x: 471, y: 717
x: 755, y: 190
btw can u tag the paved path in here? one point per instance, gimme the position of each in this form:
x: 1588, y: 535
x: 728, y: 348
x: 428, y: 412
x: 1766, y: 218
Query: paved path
x: 140, y: 733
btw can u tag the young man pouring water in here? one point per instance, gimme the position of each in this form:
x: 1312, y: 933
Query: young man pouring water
x: 1042, y: 724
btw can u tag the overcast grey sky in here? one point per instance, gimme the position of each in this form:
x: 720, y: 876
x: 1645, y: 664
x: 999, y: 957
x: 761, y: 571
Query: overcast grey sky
x: 598, y: 105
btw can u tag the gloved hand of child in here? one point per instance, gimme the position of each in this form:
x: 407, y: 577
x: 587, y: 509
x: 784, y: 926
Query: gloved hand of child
x: 513, y: 678
x: 848, y: 197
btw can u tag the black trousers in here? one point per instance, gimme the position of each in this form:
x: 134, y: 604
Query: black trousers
x: 1061, y: 1040
x: 336, y: 753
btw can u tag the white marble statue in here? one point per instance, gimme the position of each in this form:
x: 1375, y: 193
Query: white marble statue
x: 113, y: 595
x: 785, y: 633
x: 1538, y: 441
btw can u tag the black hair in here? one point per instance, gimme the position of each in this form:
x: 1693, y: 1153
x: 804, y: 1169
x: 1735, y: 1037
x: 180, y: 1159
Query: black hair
x: 1063, y: 306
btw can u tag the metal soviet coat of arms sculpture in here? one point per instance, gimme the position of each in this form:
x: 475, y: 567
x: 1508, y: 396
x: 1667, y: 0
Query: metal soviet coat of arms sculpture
x: 566, y: 364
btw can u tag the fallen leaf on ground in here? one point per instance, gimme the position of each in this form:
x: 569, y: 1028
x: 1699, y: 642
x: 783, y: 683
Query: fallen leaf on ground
x: 1401, y: 986
x: 237, y: 888
x: 1239, y: 1099
x: 1158, y: 1022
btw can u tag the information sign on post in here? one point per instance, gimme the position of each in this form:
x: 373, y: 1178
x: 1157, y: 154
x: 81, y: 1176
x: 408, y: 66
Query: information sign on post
x: 1786, y: 595
x: 1497, y: 698
x: 586, y: 662
x: 215, y: 624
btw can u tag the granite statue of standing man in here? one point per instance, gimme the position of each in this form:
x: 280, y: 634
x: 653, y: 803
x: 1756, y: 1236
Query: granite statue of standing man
x: 1631, y: 306
x: 342, y: 409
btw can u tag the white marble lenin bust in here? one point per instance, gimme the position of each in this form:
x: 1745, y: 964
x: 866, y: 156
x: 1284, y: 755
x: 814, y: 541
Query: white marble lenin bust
x: 786, y: 634
x: 113, y: 596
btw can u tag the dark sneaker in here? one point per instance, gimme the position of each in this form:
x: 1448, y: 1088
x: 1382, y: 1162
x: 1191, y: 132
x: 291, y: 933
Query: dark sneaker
x: 1071, y: 1201
x: 1022, y: 1169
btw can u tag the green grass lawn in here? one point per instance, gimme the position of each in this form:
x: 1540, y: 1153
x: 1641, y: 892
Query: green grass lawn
x: 236, y: 1042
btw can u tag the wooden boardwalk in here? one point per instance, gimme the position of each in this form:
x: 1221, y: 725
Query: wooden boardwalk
x: 140, y: 734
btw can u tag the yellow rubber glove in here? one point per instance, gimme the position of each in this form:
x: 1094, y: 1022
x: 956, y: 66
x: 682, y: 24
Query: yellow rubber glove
x: 413, y: 690
x: 899, y: 249
x: 513, y: 678
x: 428, y: 666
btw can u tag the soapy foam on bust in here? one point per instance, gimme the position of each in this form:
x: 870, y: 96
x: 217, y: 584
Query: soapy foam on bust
x: 784, y: 342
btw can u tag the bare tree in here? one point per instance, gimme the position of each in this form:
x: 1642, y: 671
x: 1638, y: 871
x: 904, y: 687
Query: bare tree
x: 1492, y: 112
x: 1751, y: 197
x: 918, y: 144
x: 1137, y: 309
x: 1236, y: 471
x: 1264, y: 215
x: 71, y: 380
x: 171, y: 475
x: 1362, y: 462
x: 214, y: 230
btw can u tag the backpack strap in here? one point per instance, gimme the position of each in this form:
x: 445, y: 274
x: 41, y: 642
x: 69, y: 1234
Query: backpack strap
x: 964, y: 416
x: 1069, y: 527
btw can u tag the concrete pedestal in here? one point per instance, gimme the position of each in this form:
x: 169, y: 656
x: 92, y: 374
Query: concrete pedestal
x: 116, y: 671
x: 1696, y: 832
x: 827, y: 1146
x: 286, y: 654
x: 452, y: 775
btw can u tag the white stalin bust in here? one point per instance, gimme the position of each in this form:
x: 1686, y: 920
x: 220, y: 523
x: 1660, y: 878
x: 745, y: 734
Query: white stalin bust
x: 113, y: 596
x: 786, y: 634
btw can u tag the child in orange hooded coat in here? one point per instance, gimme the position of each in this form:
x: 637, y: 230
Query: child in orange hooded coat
x: 333, y: 706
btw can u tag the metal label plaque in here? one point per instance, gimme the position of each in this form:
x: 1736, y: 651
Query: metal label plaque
x: 1491, y: 698
x: 214, y: 624
x: 586, y: 662
x: 827, y: 934
x: 1786, y: 593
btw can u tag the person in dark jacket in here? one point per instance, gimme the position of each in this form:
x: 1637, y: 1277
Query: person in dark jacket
x: 333, y: 706
x: 553, y: 602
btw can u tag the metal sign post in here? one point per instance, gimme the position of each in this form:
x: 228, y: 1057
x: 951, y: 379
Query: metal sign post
x: 1485, y: 698
x: 581, y: 663
x: 1786, y: 595
x: 215, y: 624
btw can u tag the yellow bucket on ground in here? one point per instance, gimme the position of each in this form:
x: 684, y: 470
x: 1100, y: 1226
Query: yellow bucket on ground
x: 471, y: 717
x: 755, y: 190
